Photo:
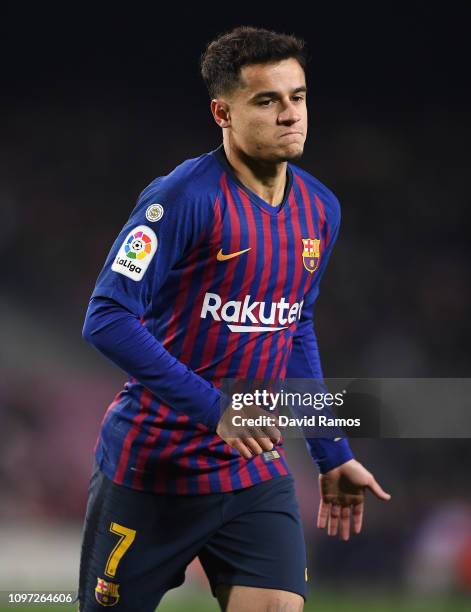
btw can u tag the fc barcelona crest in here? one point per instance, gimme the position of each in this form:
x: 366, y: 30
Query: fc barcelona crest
x: 106, y: 593
x: 311, y: 253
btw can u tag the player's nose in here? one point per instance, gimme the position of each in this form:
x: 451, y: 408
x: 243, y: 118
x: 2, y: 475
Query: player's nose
x: 289, y: 114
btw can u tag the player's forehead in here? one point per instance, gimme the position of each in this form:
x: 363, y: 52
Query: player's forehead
x: 283, y: 76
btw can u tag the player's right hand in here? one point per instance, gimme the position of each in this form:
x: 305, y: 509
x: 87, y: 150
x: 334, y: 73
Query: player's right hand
x: 248, y: 441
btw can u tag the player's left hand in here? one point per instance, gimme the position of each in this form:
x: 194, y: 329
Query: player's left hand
x: 343, y: 498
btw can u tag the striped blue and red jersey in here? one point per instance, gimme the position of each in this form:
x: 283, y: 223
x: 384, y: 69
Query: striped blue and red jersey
x: 212, y: 283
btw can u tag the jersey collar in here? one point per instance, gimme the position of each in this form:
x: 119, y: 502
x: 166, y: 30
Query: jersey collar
x: 220, y: 155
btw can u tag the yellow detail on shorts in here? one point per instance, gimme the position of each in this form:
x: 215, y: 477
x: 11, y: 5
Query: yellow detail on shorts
x: 126, y: 539
x: 305, y: 575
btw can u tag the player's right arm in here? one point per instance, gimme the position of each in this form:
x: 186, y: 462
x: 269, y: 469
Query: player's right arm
x: 118, y: 334
x: 137, y: 266
x: 122, y: 295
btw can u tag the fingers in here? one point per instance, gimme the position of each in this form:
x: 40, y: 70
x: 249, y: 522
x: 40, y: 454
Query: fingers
x: 375, y: 488
x: 345, y: 523
x: 254, y: 445
x: 248, y: 447
x: 333, y: 522
x: 264, y: 437
x: 323, y: 515
x: 273, y: 433
x: 265, y: 443
x: 357, y: 516
x: 240, y: 447
x: 338, y: 519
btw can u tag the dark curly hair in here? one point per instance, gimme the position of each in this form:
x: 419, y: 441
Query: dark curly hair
x: 225, y: 56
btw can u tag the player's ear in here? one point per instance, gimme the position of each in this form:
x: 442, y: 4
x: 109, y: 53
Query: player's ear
x: 220, y: 111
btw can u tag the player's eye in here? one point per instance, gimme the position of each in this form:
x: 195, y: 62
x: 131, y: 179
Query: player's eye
x: 298, y: 98
x: 265, y: 102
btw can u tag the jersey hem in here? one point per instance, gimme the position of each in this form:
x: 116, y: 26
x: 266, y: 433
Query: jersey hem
x: 109, y: 472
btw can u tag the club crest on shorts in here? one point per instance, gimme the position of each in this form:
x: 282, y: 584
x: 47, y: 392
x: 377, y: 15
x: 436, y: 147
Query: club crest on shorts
x: 106, y: 593
x: 311, y: 253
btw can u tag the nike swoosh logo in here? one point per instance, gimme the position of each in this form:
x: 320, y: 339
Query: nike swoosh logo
x: 221, y: 257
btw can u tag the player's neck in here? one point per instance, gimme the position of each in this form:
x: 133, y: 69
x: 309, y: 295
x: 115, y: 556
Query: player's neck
x: 267, y: 180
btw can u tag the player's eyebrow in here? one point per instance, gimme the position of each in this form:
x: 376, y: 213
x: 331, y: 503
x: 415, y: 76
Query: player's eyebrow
x: 275, y: 94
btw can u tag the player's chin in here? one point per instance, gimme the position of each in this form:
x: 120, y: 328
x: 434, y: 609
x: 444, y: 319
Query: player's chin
x: 291, y: 152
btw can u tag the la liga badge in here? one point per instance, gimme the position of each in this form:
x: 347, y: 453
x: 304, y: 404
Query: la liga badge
x: 136, y: 253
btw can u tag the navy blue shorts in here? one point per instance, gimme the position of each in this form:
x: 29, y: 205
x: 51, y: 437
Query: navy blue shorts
x: 136, y: 545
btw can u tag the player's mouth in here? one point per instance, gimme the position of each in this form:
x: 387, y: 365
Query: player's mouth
x: 297, y: 133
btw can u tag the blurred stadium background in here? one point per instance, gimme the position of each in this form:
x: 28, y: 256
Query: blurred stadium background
x: 92, y: 108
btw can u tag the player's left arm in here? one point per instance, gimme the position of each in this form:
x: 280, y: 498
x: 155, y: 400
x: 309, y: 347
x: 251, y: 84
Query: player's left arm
x: 342, y: 480
x: 304, y: 360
